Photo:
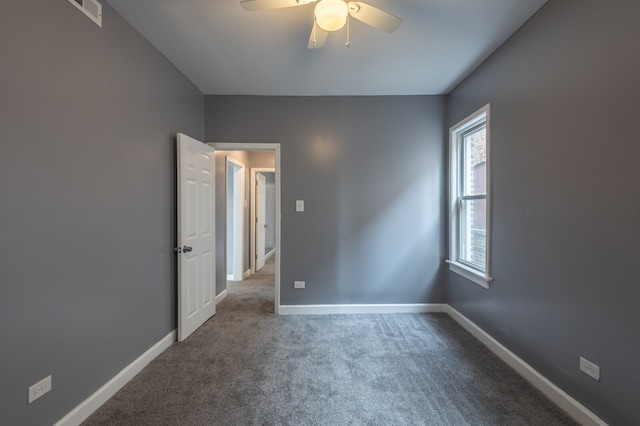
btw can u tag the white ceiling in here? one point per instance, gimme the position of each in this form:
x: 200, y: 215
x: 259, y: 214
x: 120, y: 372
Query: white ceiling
x: 223, y: 49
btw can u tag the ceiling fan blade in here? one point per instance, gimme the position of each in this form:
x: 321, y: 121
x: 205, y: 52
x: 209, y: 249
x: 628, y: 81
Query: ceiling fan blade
x: 253, y: 5
x: 318, y: 37
x: 373, y: 16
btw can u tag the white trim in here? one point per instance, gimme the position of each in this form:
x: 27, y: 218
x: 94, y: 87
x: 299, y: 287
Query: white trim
x: 246, y: 274
x: 238, y: 213
x: 408, y: 308
x: 221, y: 296
x: 99, y: 397
x: 576, y: 410
x: 481, y: 278
x: 244, y: 146
x: 472, y: 119
x: 271, y: 253
x: 469, y: 274
x: 269, y: 147
x: 229, y: 277
x: 267, y: 256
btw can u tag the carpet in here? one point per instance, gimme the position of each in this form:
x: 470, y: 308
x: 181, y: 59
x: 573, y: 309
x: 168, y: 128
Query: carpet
x: 247, y: 366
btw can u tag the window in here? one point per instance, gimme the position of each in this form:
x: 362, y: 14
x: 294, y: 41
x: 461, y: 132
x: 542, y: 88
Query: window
x: 469, y: 215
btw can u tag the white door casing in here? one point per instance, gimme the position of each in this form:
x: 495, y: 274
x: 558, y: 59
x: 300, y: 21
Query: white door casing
x: 238, y: 220
x: 196, y: 234
x: 261, y: 202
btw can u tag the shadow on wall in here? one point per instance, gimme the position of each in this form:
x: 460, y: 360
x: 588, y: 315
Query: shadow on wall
x: 389, y: 258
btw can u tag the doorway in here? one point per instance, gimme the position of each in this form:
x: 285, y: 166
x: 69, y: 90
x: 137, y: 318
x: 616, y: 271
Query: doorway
x: 275, y: 149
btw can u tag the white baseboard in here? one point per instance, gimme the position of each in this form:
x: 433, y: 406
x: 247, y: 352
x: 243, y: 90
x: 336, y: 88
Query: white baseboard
x: 221, y: 296
x: 99, y: 397
x: 576, y: 410
x: 411, y: 308
x: 246, y: 273
x: 269, y: 254
x: 266, y: 257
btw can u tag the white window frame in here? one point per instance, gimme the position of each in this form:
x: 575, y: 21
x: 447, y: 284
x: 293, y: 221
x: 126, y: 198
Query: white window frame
x: 482, y: 278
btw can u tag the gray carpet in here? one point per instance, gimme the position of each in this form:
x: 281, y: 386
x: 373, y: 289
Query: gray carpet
x: 247, y: 366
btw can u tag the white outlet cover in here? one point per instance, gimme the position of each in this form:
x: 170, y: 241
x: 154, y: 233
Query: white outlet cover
x: 299, y: 205
x: 298, y: 284
x: 590, y: 368
x: 39, y: 389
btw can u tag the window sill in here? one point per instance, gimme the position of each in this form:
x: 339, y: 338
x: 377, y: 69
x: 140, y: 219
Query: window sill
x: 470, y: 274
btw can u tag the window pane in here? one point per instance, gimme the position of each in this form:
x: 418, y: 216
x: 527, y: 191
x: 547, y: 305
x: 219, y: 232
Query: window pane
x: 474, y: 167
x: 473, y: 233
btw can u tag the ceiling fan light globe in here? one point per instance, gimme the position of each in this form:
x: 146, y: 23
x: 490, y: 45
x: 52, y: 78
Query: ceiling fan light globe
x: 331, y: 15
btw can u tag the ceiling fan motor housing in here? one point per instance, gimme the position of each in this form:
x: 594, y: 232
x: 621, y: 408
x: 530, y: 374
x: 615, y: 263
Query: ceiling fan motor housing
x: 331, y: 15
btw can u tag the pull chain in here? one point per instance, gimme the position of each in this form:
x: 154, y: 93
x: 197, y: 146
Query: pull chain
x: 315, y: 24
x: 348, y: 44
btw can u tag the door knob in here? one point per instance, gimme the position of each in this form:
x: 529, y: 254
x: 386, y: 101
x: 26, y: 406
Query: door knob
x: 187, y: 249
x: 177, y: 249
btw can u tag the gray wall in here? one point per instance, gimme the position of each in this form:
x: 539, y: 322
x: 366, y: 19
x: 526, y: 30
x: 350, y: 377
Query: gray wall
x: 87, y: 220
x: 565, y: 95
x: 87, y: 178
x: 370, y: 170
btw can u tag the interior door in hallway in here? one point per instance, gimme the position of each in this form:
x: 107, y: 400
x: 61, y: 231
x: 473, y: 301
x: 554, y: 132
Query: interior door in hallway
x: 196, y: 235
x: 261, y: 201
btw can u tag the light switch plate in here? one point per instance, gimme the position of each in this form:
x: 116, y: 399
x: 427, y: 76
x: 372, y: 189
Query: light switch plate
x: 299, y: 205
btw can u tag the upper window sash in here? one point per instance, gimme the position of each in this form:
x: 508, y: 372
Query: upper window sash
x: 464, y: 153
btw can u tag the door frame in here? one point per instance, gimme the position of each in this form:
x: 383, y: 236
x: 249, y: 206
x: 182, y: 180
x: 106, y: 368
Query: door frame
x: 254, y: 172
x: 264, y: 147
x: 238, y: 218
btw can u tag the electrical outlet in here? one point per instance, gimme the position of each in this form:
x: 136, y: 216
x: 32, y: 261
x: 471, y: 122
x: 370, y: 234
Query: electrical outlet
x: 299, y: 205
x: 39, y: 389
x: 298, y: 284
x: 590, y: 369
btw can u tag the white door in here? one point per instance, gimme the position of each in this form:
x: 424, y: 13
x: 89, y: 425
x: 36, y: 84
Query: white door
x: 196, y: 238
x: 261, y: 202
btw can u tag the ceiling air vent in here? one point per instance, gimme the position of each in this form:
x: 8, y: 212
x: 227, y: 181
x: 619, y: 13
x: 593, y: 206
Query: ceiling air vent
x: 91, y: 8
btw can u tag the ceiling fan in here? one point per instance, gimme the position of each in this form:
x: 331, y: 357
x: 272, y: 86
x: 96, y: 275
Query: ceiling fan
x: 332, y: 15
